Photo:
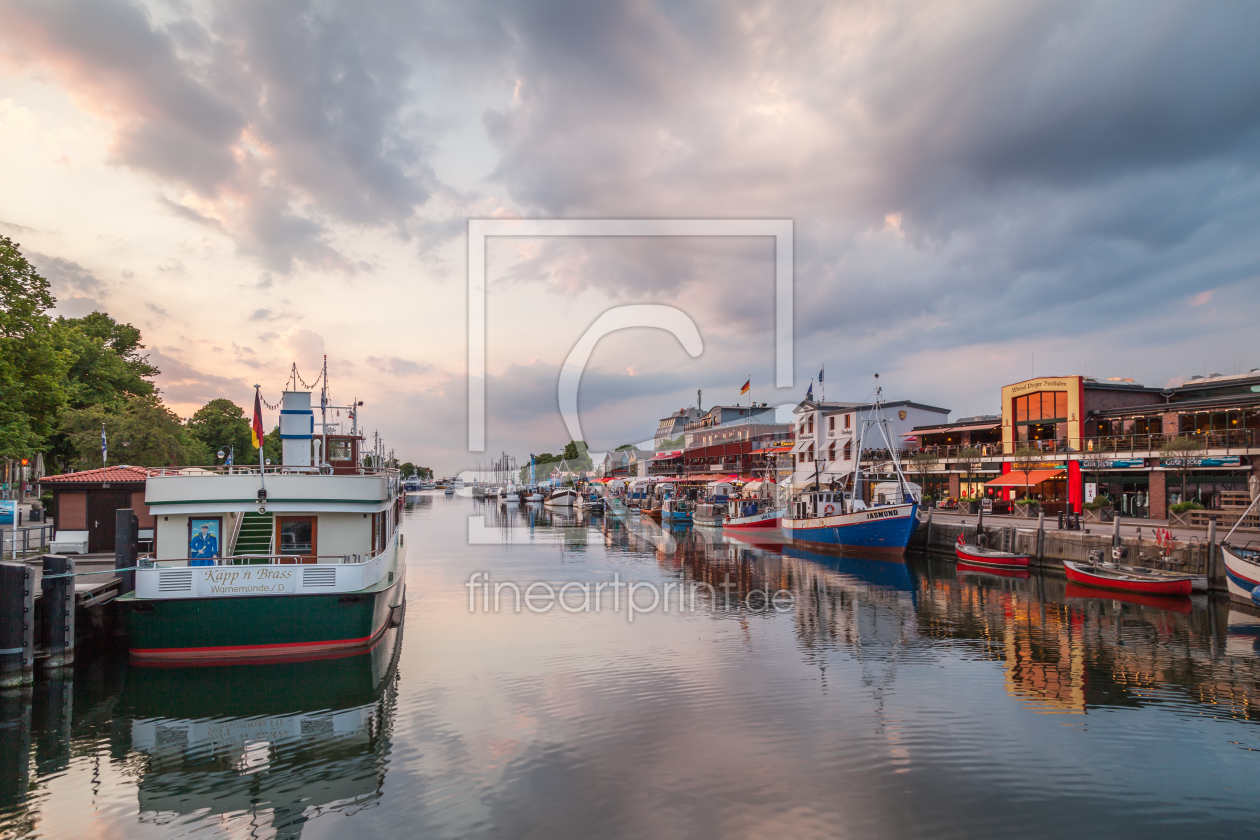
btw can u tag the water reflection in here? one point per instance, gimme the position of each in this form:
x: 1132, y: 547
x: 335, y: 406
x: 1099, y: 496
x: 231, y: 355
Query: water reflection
x: 251, y: 747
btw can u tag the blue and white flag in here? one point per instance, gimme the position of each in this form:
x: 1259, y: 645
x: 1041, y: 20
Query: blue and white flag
x: 820, y: 374
x: 104, y: 446
x: 809, y: 395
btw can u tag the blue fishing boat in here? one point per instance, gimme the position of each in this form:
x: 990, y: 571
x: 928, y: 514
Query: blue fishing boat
x: 841, y: 518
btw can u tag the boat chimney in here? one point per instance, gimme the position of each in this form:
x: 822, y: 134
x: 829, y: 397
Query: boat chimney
x: 297, y: 428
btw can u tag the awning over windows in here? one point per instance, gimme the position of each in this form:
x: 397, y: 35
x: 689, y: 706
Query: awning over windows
x: 1017, y: 479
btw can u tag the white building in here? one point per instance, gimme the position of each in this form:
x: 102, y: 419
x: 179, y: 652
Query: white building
x: 827, y: 435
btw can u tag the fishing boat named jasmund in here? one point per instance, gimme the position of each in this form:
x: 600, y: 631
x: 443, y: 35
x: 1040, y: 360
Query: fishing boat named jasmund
x: 293, y: 560
x: 842, y: 519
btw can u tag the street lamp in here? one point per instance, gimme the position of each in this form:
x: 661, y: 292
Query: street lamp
x: 231, y: 454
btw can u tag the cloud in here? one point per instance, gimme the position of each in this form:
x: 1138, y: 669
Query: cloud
x: 78, y: 291
x: 307, y: 347
x: 272, y: 118
x: 395, y: 366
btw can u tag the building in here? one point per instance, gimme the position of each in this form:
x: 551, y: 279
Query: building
x: 723, y: 441
x: 1081, y: 437
x: 674, y: 425
x: 827, y: 436
x: 89, y: 501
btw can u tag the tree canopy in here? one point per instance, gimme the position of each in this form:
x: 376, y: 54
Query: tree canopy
x: 220, y: 424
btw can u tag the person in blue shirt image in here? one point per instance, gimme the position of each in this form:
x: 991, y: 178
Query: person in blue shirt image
x: 203, y: 547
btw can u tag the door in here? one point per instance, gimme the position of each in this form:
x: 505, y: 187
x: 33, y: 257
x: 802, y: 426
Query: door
x: 102, y: 512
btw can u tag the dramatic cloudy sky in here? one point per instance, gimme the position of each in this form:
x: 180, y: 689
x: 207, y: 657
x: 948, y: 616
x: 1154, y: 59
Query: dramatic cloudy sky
x: 979, y: 190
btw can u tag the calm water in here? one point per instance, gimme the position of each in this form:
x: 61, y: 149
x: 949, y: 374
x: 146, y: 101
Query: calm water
x: 881, y: 699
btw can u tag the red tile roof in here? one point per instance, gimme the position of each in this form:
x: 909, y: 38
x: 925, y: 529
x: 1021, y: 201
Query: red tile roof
x: 101, y: 475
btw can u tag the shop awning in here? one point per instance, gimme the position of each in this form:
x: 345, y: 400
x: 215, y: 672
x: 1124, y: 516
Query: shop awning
x: 979, y: 427
x: 1018, y: 479
x: 667, y: 456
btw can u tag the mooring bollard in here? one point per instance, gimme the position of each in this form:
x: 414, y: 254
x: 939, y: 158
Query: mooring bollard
x: 57, y: 624
x: 17, y: 624
x: 1041, y: 535
x: 1115, y: 531
x: 126, y: 549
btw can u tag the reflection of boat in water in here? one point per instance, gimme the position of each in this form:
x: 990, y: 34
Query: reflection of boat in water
x: 892, y: 572
x: 1242, y: 634
x: 1128, y: 579
x: 995, y: 571
x: 1173, y: 603
x: 297, y: 739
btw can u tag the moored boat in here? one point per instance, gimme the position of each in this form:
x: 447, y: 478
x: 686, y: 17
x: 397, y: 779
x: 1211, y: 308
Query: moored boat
x: 1129, y: 579
x: 709, y: 514
x: 288, y: 561
x: 997, y: 571
x: 976, y: 555
x: 561, y: 497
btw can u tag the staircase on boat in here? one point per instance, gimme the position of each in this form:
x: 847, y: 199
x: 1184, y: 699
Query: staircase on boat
x: 256, y: 535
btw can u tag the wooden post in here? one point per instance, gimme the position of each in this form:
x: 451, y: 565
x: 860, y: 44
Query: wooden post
x: 17, y: 624
x: 1209, y: 568
x: 929, y: 529
x: 1115, y: 531
x: 15, y: 746
x: 57, y: 630
x: 126, y: 548
x: 1041, y: 536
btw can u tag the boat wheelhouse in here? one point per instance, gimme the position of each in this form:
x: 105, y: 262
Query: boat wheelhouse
x: 275, y: 561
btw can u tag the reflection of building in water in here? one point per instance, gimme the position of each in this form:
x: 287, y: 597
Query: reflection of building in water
x: 280, y: 743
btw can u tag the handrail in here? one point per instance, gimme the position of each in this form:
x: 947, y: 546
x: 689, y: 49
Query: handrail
x: 223, y: 469
x: 297, y: 559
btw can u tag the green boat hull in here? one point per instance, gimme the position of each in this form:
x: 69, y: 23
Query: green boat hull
x: 279, y: 627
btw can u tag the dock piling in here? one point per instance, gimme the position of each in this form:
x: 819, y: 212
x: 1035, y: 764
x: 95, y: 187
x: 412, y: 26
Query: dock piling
x: 17, y: 624
x: 57, y: 625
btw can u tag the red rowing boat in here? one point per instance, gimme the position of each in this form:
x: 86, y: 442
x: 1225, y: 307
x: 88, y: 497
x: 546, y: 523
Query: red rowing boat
x: 978, y: 556
x: 1148, y: 582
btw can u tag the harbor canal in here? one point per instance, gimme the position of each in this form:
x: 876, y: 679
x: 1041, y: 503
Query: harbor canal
x: 769, y: 691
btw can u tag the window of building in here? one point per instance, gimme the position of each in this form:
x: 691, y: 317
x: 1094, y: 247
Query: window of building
x: 831, y: 424
x: 848, y: 451
x: 1148, y: 426
x: 1041, y: 406
x: 811, y: 424
x: 846, y: 420
x: 831, y: 452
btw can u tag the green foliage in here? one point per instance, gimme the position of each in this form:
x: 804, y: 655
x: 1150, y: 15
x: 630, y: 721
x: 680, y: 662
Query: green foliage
x: 624, y: 446
x: 1182, y: 507
x: 143, y: 433
x: 1025, y: 501
x: 272, y: 449
x: 408, y: 469
x: 425, y: 473
x: 32, y: 368
x: 1099, y: 502
x: 107, y: 364
x: 221, y: 423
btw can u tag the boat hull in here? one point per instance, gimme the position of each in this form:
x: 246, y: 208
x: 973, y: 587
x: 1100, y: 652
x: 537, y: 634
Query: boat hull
x: 263, y: 627
x: 992, y: 559
x: 676, y: 516
x: 1087, y: 576
x: 1242, y: 572
x: 769, y: 519
x: 997, y: 571
x: 879, y: 529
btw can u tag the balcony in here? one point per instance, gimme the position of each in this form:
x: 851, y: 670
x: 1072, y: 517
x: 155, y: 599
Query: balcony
x: 1233, y: 441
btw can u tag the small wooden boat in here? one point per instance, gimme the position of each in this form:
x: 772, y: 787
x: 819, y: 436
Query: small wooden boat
x: 1129, y: 579
x: 976, y: 555
x: 561, y: 497
x: 651, y: 513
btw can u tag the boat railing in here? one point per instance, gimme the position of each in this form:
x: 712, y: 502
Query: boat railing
x: 236, y: 469
x: 276, y: 560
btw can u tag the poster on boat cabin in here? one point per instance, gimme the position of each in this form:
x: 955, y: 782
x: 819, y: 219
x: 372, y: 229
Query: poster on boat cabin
x: 203, y: 541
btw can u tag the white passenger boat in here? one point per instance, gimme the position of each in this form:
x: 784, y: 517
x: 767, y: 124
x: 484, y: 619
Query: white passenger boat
x: 291, y: 560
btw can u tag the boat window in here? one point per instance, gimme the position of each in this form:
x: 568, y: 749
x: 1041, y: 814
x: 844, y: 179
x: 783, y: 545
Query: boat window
x: 339, y: 450
x: 297, y: 536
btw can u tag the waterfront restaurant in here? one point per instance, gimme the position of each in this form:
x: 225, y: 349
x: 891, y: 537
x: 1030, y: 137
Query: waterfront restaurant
x: 1067, y: 440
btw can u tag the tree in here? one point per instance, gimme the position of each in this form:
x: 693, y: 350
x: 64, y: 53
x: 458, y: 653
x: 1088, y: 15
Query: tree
x: 144, y: 433
x: 107, y: 364
x: 1181, y: 453
x: 625, y: 446
x: 220, y: 424
x: 32, y: 367
x: 922, y: 464
x: 1027, y: 459
x: 272, y: 448
x: 408, y: 469
x: 970, y: 458
x: 577, y: 456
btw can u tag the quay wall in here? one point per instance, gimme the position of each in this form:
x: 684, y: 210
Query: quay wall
x: 1050, y: 547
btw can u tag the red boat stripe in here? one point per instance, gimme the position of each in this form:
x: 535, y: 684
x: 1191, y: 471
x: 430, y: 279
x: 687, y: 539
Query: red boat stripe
x: 278, y: 646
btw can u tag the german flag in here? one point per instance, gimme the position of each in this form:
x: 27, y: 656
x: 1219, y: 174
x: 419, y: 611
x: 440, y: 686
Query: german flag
x: 257, y: 426
x: 747, y: 385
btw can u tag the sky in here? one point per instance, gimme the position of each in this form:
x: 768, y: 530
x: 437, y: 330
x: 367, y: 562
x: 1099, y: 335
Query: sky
x: 980, y: 192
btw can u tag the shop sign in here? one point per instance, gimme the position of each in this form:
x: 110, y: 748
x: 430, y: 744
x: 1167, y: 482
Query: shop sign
x: 1223, y: 461
x: 1112, y: 464
x: 1091, y: 492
